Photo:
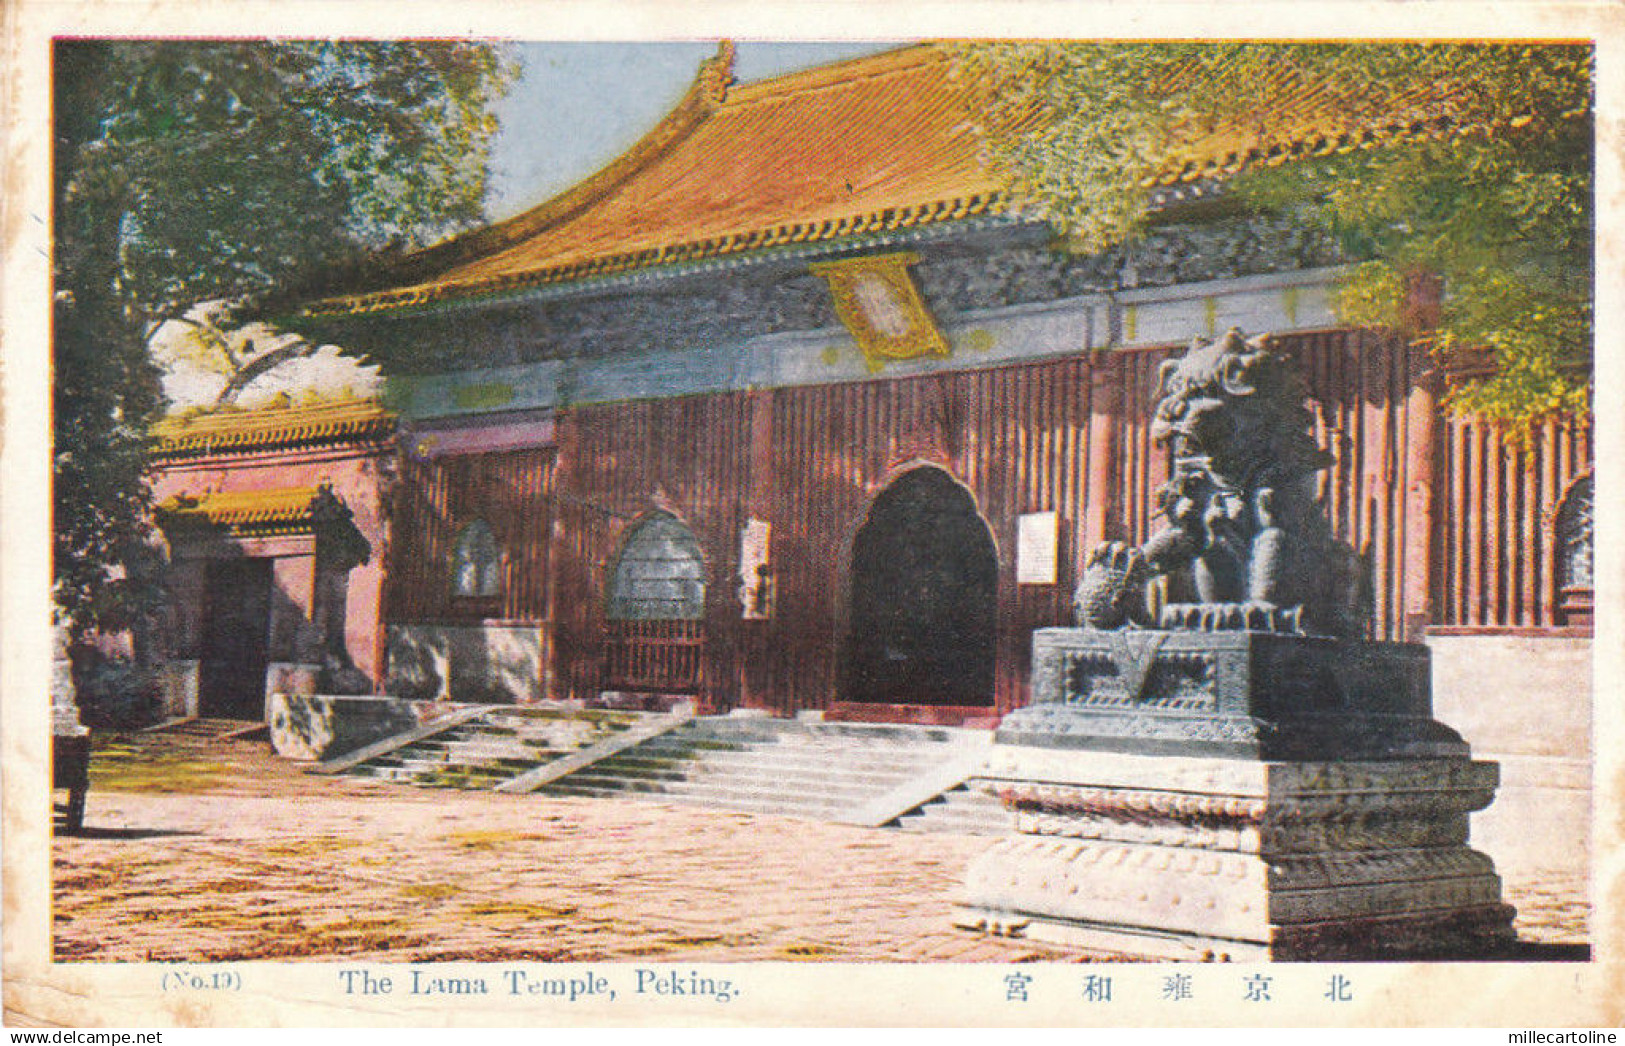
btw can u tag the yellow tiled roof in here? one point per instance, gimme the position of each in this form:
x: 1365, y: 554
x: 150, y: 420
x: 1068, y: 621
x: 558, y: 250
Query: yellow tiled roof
x: 257, y: 509
x: 239, y: 431
x: 884, y: 142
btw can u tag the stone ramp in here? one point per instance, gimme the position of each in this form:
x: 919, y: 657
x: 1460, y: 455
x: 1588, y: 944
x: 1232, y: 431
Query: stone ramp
x: 209, y: 729
x: 879, y: 775
x: 494, y: 747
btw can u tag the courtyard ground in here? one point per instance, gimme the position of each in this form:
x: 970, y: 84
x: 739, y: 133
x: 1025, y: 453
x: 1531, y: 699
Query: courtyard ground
x: 209, y: 851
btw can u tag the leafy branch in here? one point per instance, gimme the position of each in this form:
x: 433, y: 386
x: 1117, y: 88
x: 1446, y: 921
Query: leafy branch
x: 1469, y: 163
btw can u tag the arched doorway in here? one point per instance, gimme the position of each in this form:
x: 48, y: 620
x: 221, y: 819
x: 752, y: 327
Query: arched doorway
x: 924, y: 590
x: 654, y: 615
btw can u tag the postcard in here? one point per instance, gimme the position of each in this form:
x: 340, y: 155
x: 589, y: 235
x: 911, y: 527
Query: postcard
x: 561, y: 515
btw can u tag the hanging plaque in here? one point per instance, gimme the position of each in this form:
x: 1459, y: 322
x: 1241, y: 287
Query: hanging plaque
x: 877, y: 300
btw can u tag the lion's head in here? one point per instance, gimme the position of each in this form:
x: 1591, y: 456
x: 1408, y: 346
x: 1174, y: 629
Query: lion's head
x: 1237, y: 403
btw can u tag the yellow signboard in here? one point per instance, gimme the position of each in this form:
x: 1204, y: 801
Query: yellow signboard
x: 882, y: 308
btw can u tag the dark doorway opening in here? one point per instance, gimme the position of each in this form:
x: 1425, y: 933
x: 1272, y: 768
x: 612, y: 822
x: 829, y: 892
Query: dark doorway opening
x: 924, y: 590
x: 236, y: 627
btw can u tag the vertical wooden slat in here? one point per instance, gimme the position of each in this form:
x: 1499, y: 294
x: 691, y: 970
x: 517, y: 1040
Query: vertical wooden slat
x: 1495, y: 527
x: 1466, y: 515
x: 1524, y: 548
x: 1486, y: 475
x: 1447, y: 520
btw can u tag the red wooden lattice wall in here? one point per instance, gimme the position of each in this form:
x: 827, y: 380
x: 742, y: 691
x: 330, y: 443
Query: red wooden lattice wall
x: 1495, y: 562
x: 512, y: 492
x: 1450, y: 522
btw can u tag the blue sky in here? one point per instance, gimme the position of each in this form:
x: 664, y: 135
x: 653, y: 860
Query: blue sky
x: 579, y: 105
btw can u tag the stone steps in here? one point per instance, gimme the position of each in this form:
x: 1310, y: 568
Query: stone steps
x: 429, y: 765
x: 772, y: 761
x: 818, y: 771
x: 726, y: 797
x: 964, y: 810
x: 448, y: 777
x: 207, y: 729
x: 719, y: 786
x: 496, y: 747
x: 484, y: 747
x: 766, y: 774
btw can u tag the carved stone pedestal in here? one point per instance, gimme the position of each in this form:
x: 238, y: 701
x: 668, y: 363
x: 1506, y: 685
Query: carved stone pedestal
x: 1230, y: 796
x: 1220, y: 859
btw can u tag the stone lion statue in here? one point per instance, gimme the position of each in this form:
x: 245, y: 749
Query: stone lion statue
x: 1244, y: 531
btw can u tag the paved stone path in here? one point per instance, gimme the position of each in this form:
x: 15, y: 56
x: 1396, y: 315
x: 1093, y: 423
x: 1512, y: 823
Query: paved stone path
x: 233, y: 854
x: 261, y: 861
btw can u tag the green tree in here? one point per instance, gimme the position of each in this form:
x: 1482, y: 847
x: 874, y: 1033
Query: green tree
x: 1468, y: 163
x: 223, y: 171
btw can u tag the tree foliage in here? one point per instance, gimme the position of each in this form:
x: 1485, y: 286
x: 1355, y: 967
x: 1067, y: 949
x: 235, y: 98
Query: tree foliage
x: 222, y: 171
x: 1479, y: 174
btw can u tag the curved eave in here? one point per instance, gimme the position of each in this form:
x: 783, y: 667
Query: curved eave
x: 1187, y: 183
x: 498, y: 262
x: 267, y: 513
x: 738, y: 245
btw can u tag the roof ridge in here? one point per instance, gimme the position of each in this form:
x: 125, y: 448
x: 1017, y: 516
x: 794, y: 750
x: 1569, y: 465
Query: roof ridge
x: 236, y: 431
x: 901, y: 58
x: 875, y: 143
x: 241, y: 512
x: 704, y: 96
x: 279, y: 412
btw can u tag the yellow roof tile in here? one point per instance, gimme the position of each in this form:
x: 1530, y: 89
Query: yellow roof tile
x: 239, y: 431
x: 255, y: 509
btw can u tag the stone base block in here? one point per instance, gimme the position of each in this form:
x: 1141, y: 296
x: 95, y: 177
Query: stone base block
x: 1248, y: 695
x: 177, y: 688
x: 1189, y: 858
x: 322, y: 727
x: 481, y: 664
x: 64, y: 705
x: 1444, y: 936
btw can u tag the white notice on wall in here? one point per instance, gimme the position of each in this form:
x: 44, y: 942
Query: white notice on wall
x: 1037, y: 543
x: 755, y: 575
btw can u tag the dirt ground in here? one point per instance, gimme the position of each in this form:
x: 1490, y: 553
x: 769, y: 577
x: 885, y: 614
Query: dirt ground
x: 210, y: 851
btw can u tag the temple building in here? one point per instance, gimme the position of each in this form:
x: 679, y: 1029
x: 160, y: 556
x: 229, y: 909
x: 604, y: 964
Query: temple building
x: 783, y: 410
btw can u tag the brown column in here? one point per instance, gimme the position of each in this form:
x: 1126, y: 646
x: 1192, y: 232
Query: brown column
x: 1099, y: 516
x: 1419, y: 558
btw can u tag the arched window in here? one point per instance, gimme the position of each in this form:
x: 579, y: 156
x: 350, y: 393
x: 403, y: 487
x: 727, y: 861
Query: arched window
x: 1574, y: 539
x: 660, y: 575
x: 1573, y: 535
x: 476, y: 563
